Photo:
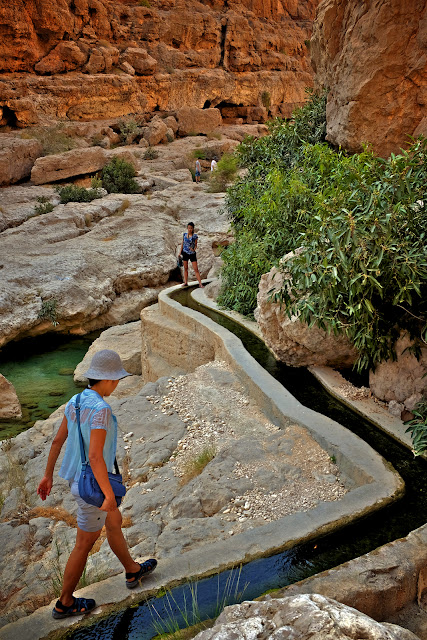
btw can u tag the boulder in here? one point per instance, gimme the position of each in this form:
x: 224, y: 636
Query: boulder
x: 300, y: 617
x: 291, y: 340
x: 66, y: 56
x: 171, y: 123
x: 71, y: 163
x: 17, y: 157
x: 155, y: 132
x: 404, y: 379
x: 193, y: 120
x: 125, y: 339
x: 10, y: 406
x: 77, y: 162
x: 142, y: 63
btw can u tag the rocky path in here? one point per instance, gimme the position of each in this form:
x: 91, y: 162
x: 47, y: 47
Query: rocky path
x: 254, y: 473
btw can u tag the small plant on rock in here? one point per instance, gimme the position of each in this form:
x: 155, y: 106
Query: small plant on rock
x: 266, y: 100
x: 49, y: 311
x: 129, y: 129
x: 194, y: 466
x: 150, y: 154
x: 118, y: 177
x: 43, y: 206
x: 53, y: 139
x: 73, y: 193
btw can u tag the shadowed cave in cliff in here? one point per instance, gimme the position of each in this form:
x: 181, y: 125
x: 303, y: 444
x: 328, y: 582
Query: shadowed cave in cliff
x: 8, y: 118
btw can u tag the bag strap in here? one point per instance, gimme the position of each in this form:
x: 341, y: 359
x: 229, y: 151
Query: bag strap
x: 82, y: 446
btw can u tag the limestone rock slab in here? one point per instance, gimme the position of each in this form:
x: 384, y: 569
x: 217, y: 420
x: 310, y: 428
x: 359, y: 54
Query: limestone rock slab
x: 193, y: 120
x: 300, y: 618
x: 17, y: 157
x: 71, y: 163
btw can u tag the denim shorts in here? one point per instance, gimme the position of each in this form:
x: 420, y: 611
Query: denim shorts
x: 89, y: 518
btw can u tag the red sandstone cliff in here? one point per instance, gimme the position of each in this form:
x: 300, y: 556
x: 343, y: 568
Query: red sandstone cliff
x: 372, y: 55
x: 86, y: 59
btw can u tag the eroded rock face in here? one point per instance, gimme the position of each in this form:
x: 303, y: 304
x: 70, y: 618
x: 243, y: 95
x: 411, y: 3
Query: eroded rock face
x: 100, y: 263
x: 403, y: 380
x: 292, y: 341
x: 112, y: 59
x: 9, y: 404
x: 300, y: 618
x: 372, y: 57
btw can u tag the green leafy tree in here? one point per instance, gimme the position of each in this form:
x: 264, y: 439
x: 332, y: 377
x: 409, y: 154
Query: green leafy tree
x: 360, y: 221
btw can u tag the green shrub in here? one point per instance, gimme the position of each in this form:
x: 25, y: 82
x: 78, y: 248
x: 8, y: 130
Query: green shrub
x: 363, y: 268
x: 199, y: 153
x: 129, y: 129
x: 44, y: 205
x: 150, y: 153
x: 225, y: 173
x: 118, y: 177
x: 73, y: 193
x: 144, y: 3
x: 417, y: 428
x: 266, y: 100
x: 360, y: 221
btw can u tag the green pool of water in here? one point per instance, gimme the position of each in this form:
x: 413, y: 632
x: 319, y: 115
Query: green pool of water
x: 41, y: 370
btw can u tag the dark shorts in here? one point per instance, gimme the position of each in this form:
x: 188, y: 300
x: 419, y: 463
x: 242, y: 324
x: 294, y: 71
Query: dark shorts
x: 189, y: 256
x: 197, y: 174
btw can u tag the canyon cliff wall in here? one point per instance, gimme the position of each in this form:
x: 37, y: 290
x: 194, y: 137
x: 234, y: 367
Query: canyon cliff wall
x: 95, y: 59
x: 372, y: 55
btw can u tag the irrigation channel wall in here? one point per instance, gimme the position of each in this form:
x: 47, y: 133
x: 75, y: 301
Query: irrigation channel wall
x: 180, y: 339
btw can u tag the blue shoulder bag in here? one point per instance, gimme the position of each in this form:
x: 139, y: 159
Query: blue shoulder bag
x: 89, y: 489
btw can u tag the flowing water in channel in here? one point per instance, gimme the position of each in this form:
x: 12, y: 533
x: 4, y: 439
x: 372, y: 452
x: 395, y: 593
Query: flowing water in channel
x: 41, y: 370
x: 395, y: 521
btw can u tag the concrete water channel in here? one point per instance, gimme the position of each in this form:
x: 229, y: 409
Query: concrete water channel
x: 301, y: 561
x: 332, y: 542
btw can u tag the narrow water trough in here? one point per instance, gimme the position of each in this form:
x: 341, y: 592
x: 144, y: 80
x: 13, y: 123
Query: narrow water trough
x: 392, y: 522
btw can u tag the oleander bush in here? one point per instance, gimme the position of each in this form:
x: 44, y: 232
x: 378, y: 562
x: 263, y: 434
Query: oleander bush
x: 360, y: 220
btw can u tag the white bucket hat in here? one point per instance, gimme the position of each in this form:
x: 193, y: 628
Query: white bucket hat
x: 106, y: 365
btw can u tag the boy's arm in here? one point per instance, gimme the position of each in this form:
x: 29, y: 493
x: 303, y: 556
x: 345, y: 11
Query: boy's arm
x: 45, y: 486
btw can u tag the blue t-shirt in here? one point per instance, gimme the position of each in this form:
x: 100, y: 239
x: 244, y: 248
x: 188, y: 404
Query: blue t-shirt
x: 95, y: 413
x: 189, y: 243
